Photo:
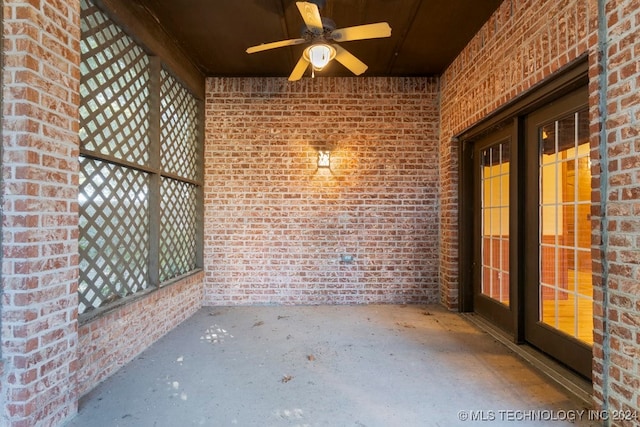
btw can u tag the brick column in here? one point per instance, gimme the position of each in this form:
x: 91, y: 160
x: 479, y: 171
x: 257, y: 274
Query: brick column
x: 40, y: 213
x: 617, y: 309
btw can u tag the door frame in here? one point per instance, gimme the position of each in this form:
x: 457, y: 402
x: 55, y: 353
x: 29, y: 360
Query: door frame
x: 563, y: 82
x: 550, y: 340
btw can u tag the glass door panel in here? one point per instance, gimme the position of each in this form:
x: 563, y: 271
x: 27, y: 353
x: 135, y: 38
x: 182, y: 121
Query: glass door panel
x: 492, y: 281
x: 494, y: 209
x: 566, y: 293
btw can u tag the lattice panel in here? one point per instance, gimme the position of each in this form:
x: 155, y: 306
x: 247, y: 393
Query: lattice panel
x: 114, y: 233
x: 179, y: 129
x: 177, y: 228
x: 114, y: 90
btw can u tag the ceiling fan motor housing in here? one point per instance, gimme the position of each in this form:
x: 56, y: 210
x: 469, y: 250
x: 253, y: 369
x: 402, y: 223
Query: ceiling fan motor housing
x: 328, y: 25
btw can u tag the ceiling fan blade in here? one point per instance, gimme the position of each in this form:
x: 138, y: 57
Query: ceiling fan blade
x: 273, y: 45
x: 311, y: 16
x: 299, y: 69
x: 356, y: 66
x: 361, y: 32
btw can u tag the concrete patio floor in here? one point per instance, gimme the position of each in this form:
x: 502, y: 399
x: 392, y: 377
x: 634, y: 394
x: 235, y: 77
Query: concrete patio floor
x: 378, y: 365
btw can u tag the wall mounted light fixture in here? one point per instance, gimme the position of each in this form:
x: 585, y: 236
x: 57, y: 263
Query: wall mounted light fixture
x: 324, y: 159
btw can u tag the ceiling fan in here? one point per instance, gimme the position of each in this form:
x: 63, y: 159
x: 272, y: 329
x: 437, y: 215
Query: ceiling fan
x: 323, y: 37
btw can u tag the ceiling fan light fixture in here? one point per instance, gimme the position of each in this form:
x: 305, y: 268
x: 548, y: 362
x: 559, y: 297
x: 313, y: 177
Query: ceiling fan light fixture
x: 319, y: 30
x: 319, y: 55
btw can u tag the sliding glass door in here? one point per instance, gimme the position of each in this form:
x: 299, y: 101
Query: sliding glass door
x: 527, y: 206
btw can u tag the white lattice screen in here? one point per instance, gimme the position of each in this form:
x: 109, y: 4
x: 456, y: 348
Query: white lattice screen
x: 114, y: 232
x: 177, y: 228
x: 139, y: 189
x: 114, y: 90
x: 179, y: 157
x: 179, y: 129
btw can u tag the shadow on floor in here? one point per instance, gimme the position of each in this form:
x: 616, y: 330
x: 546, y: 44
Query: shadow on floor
x: 378, y: 365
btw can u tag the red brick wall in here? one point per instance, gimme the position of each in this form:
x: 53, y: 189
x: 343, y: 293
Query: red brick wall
x: 276, y: 226
x: 114, y: 339
x: 518, y: 47
x: 40, y: 212
x: 617, y: 381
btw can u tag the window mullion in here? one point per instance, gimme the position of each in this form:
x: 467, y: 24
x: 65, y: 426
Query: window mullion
x: 200, y: 188
x: 155, y: 67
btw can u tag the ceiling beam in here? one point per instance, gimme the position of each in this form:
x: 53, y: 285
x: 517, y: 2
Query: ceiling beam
x: 403, y: 36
